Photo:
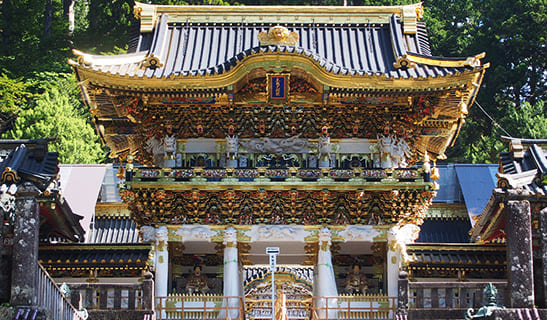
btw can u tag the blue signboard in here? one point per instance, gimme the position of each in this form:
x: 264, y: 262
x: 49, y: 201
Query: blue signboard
x: 278, y: 87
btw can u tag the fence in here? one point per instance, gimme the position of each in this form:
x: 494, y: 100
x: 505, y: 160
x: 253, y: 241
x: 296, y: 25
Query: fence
x: 199, y: 307
x: 374, y: 307
x: 451, y: 294
x: 106, y: 296
x: 51, y: 299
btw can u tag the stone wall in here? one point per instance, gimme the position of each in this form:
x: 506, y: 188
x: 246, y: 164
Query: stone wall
x: 118, y: 314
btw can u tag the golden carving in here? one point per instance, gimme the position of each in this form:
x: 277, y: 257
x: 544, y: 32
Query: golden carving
x: 152, y: 62
x: 419, y: 12
x: 137, y: 11
x: 9, y: 175
x: 278, y: 35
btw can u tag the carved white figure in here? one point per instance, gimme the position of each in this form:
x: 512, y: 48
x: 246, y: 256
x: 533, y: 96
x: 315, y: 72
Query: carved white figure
x: 155, y: 147
x: 399, y: 153
x: 147, y: 233
x: 403, y: 236
x: 360, y: 233
x: 276, y: 146
x: 169, y: 146
x: 232, y: 147
x: 324, y: 236
x: 385, y: 146
x: 323, y: 147
x: 272, y: 146
x: 162, y: 234
x: 294, y: 144
x: 7, y: 197
x: 230, y: 236
x: 276, y: 233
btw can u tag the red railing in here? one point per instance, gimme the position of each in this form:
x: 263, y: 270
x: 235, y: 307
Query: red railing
x: 199, y: 307
x: 354, y: 307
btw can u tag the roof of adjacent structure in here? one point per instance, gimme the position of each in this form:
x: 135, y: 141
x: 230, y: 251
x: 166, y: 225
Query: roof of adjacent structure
x: 183, y: 41
x: 525, y: 166
x: 457, y: 255
x: 114, y: 230
x: 23, y: 161
x: 523, y: 169
x: 28, y: 160
x: 91, y: 256
x: 455, y: 230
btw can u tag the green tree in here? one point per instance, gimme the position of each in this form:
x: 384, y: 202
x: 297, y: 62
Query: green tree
x: 55, y: 114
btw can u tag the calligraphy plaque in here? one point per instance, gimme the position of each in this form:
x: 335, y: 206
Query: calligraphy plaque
x: 278, y: 87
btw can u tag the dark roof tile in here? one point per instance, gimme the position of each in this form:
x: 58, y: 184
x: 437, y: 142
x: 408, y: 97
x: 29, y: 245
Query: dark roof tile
x: 197, y: 49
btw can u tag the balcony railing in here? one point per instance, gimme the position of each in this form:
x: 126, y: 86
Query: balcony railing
x: 461, y: 295
x: 102, y: 299
x: 199, y: 307
x: 50, y: 298
x: 278, y: 174
x: 374, y: 307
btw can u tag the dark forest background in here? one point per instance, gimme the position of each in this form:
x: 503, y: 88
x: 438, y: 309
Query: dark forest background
x: 39, y: 95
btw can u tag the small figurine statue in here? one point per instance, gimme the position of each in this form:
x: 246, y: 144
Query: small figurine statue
x: 197, y: 282
x: 169, y: 150
x: 427, y: 168
x: 129, y: 168
x: 385, y: 146
x: 232, y: 146
x: 356, y: 282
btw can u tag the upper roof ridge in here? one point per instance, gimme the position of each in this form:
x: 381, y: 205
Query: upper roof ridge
x: 149, y: 13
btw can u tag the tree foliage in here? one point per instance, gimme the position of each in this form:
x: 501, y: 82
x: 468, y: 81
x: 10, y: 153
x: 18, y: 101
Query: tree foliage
x: 56, y: 113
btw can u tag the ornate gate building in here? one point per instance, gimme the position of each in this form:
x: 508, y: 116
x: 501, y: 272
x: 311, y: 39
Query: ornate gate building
x: 311, y: 129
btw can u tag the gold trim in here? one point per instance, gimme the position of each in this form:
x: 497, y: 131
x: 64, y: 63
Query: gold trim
x: 148, y: 14
x: 277, y: 61
x: 278, y: 35
x: 408, y: 60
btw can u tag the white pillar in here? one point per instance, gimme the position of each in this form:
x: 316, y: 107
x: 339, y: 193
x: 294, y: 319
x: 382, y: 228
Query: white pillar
x: 231, y: 274
x: 162, y: 263
x: 397, y: 239
x: 325, y: 282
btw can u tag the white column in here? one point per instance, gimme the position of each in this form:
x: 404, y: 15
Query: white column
x: 397, y: 239
x: 162, y: 262
x: 325, y: 282
x: 231, y: 273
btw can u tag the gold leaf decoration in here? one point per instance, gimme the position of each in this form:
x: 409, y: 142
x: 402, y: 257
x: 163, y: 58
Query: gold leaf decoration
x: 278, y: 35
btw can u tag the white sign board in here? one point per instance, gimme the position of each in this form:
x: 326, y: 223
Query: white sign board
x: 273, y: 252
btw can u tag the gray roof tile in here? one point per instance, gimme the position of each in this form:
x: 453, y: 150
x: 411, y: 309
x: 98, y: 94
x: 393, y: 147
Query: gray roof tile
x: 203, y: 49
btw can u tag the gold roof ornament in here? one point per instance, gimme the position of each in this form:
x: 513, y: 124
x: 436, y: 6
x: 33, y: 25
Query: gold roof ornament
x: 278, y: 35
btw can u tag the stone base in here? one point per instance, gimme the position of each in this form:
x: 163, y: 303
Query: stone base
x: 119, y: 315
x: 436, y: 314
x: 30, y: 313
x: 501, y: 314
x: 519, y: 314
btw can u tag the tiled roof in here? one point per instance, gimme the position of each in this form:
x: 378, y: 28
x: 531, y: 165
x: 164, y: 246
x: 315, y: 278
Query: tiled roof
x: 87, y: 256
x: 29, y: 160
x: 457, y: 255
x: 525, y: 166
x: 444, y: 231
x: 114, y: 230
x: 190, y: 49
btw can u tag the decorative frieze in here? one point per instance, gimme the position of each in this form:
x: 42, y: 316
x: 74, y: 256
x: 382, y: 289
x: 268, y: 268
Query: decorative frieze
x: 150, y: 206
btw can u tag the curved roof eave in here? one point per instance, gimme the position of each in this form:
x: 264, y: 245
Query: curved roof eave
x: 237, y: 67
